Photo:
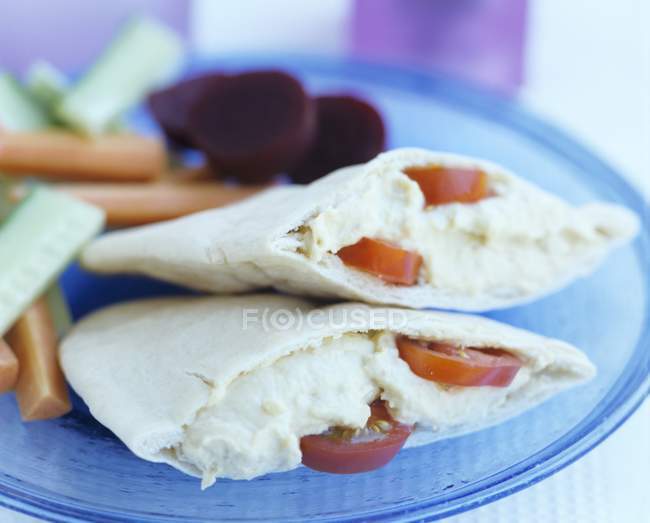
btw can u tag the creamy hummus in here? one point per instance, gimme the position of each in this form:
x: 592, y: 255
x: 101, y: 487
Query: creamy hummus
x: 516, y: 241
x: 256, y: 425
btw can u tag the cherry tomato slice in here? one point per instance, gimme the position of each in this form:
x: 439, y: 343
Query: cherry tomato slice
x: 384, y: 260
x: 339, y: 453
x: 442, y: 185
x: 452, y: 365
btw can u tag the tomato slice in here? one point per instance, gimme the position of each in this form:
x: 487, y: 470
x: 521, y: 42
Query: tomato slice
x: 442, y: 185
x: 339, y: 452
x: 453, y: 365
x: 383, y: 259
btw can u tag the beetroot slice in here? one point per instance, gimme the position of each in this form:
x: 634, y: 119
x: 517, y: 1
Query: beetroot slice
x: 253, y: 125
x: 170, y: 106
x: 349, y: 131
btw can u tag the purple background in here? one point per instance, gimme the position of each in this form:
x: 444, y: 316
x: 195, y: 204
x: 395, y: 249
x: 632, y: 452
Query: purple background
x: 71, y: 33
x: 478, y: 40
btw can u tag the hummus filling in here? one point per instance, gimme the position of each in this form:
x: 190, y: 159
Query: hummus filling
x: 516, y: 240
x: 255, y: 427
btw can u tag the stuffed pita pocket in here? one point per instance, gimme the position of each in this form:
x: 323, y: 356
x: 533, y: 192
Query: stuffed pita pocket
x: 230, y: 386
x: 370, y: 233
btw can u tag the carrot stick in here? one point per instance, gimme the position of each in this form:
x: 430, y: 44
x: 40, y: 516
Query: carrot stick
x: 200, y: 173
x: 8, y: 367
x: 41, y: 390
x: 67, y: 156
x: 137, y: 204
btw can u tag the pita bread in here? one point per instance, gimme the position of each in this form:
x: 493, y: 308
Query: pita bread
x: 155, y: 372
x: 511, y: 248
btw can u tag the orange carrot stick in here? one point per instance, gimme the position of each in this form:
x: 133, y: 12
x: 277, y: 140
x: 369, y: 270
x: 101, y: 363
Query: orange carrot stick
x: 66, y: 156
x: 41, y: 390
x: 137, y: 204
x: 8, y: 367
x: 200, y: 173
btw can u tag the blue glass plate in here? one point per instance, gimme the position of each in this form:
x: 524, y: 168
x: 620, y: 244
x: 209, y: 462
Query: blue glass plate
x: 73, y: 469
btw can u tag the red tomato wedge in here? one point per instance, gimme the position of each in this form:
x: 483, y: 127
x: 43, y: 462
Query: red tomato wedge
x: 339, y: 452
x: 442, y: 185
x: 452, y: 365
x: 383, y: 259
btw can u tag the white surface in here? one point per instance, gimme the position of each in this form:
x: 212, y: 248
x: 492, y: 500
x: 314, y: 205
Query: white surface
x: 224, y: 26
x: 589, y: 70
x: 608, y: 485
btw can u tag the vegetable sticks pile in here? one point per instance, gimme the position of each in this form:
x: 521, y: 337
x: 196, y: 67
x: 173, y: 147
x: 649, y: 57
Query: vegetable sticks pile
x: 72, y: 137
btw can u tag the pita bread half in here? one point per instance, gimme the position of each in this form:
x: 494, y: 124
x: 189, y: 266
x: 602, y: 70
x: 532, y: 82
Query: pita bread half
x: 226, y: 386
x: 511, y: 248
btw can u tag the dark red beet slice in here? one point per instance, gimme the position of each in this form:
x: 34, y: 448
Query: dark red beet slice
x: 253, y: 125
x: 170, y: 106
x: 349, y: 131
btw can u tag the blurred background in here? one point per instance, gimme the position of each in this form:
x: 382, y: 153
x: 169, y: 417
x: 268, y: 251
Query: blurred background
x: 583, y: 64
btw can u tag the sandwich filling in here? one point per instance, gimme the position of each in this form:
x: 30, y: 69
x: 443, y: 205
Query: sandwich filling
x: 461, y: 229
x: 257, y: 424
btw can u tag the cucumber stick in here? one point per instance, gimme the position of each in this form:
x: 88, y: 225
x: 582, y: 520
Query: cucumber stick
x: 18, y: 111
x: 143, y: 55
x: 38, y: 239
x: 46, y: 84
x: 59, y: 310
x: 6, y: 203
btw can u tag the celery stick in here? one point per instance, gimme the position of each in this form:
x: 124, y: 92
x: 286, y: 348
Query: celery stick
x: 18, y: 112
x: 38, y: 239
x: 142, y: 56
